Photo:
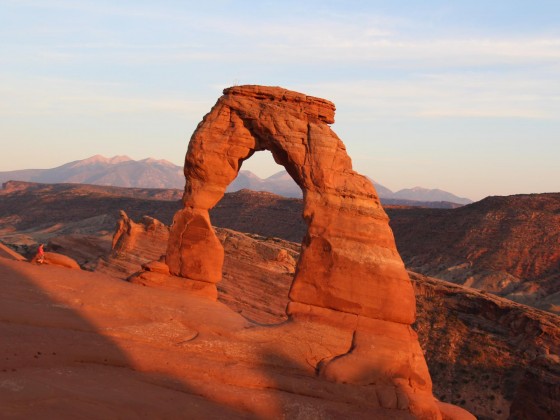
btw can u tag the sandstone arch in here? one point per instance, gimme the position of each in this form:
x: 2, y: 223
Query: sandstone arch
x: 349, y: 262
x: 349, y: 279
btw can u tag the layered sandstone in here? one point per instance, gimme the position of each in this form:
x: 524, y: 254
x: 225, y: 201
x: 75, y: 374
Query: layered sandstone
x: 494, y: 357
x: 257, y: 271
x: 133, y: 245
x: 343, y: 268
x: 497, y: 358
x: 349, y: 274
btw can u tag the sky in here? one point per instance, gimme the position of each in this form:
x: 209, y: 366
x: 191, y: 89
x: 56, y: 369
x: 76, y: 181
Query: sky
x: 458, y: 95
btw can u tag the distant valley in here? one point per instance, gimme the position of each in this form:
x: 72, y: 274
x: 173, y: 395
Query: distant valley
x: 122, y: 171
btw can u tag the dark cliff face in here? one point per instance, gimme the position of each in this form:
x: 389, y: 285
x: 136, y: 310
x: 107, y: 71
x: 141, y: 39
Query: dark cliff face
x: 505, y: 245
x: 497, y: 358
x: 516, y: 234
x: 261, y: 213
x: 30, y: 205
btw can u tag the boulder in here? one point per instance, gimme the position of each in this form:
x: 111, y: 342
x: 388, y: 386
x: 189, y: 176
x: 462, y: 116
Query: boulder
x: 54, y: 258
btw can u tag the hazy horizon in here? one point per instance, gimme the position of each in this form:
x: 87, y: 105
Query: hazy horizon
x: 464, y: 97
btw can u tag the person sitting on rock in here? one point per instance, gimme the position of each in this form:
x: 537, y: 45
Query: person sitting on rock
x: 40, y: 254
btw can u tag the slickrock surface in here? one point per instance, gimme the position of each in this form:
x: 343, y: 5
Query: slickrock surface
x: 84, y: 249
x: 258, y: 272
x: 484, y: 353
x: 78, y: 344
x: 349, y: 274
x: 7, y: 252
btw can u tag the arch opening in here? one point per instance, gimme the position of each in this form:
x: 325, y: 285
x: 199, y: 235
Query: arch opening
x: 261, y: 232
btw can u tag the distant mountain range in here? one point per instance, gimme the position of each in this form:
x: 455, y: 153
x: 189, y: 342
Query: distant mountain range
x: 118, y: 171
x: 122, y: 171
x: 282, y: 183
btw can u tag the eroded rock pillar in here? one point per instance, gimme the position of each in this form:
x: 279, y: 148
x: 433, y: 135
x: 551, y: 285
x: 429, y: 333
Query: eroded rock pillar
x: 216, y: 150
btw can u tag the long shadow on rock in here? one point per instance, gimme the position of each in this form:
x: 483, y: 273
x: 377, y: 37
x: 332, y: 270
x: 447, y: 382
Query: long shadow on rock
x: 71, y: 348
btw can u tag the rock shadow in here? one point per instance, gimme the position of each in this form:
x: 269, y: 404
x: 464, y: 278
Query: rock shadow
x: 63, y: 357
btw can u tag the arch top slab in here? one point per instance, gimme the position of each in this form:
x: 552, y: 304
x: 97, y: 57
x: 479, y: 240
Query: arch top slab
x: 349, y: 261
x: 315, y: 108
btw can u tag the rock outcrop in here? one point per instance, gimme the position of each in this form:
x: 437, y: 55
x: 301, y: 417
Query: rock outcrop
x: 133, y: 245
x: 257, y: 271
x: 494, y: 357
x: 349, y: 274
x: 61, y: 260
x: 497, y: 358
x: 349, y: 261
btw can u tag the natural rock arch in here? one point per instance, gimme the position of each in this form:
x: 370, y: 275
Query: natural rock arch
x: 349, y: 261
x: 350, y: 281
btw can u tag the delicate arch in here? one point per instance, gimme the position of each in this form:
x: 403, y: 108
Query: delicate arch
x: 349, y: 260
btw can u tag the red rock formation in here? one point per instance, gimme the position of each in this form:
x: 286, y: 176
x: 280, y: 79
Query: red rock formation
x: 349, y: 274
x: 489, y: 355
x: 343, y: 268
x: 257, y: 271
x: 134, y: 244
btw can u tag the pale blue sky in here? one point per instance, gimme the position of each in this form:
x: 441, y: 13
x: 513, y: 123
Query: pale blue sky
x: 462, y: 96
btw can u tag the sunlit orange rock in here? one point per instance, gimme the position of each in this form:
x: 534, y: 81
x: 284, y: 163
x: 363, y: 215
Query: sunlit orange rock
x: 349, y: 275
x: 349, y: 261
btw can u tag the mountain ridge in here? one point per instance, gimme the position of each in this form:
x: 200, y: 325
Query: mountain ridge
x: 123, y: 171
